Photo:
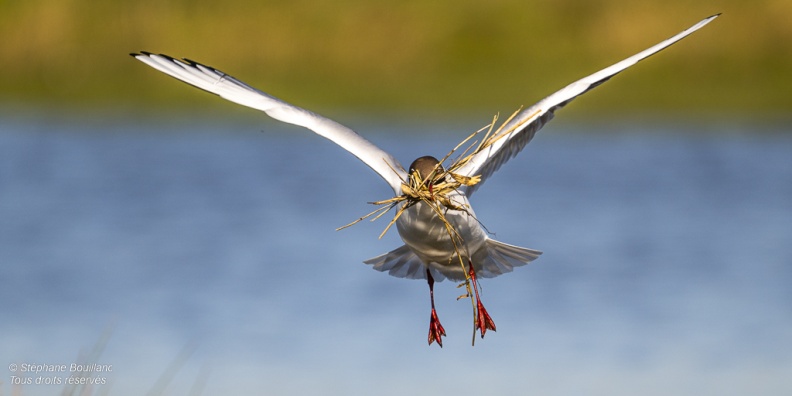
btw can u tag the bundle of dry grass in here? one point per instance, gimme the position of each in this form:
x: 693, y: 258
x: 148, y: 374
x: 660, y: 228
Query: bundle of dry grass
x: 435, y: 189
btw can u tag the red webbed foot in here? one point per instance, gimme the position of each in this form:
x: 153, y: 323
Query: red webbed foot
x: 436, y: 330
x: 483, y: 321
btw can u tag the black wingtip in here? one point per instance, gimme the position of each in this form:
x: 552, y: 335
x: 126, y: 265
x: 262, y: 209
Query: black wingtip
x: 194, y: 64
x: 141, y: 53
x: 168, y: 57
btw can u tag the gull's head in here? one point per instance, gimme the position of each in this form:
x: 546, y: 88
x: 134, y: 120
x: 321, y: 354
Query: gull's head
x: 426, y: 169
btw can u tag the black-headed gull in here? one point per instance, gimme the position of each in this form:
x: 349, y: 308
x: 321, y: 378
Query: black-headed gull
x: 430, y: 251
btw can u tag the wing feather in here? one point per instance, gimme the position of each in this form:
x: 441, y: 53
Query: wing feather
x: 522, y: 128
x: 214, y: 81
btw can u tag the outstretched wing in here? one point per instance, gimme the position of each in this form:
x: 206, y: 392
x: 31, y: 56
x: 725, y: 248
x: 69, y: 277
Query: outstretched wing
x: 522, y: 128
x: 229, y: 88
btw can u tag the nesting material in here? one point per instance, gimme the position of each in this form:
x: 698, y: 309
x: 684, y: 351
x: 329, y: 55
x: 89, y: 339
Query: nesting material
x: 435, y: 189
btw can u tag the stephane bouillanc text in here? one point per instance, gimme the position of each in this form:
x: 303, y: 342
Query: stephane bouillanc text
x: 59, y: 374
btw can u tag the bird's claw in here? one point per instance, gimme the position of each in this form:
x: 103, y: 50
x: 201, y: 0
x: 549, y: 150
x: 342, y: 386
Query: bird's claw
x: 436, y: 330
x: 483, y: 321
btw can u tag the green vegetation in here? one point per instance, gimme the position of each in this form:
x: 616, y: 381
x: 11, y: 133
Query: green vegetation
x: 417, y: 56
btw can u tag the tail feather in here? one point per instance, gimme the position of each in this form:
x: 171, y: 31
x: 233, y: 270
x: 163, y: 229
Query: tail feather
x: 501, y: 258
x: 498, y: 258
x: 403, y: 263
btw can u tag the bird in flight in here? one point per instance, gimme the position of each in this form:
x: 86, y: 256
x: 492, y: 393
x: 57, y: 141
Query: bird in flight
x: 442, y: 236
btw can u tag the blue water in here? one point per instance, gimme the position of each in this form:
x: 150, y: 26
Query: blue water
x: 206, y: 251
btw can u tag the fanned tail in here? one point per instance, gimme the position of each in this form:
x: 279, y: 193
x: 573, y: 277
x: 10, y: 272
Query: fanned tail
x: 498, y: 258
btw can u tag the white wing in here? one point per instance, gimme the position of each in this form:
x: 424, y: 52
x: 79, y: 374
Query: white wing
x: 522, y: 128
x: 229, y: 88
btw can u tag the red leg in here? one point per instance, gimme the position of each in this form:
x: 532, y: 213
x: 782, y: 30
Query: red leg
x: 483, y: 320
x: 436, y: 330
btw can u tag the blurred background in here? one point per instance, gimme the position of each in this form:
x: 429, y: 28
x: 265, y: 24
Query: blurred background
x: 415, y: 57
x: 190, y: 243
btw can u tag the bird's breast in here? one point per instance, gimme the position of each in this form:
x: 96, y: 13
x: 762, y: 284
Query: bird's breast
x: 422, y: 229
